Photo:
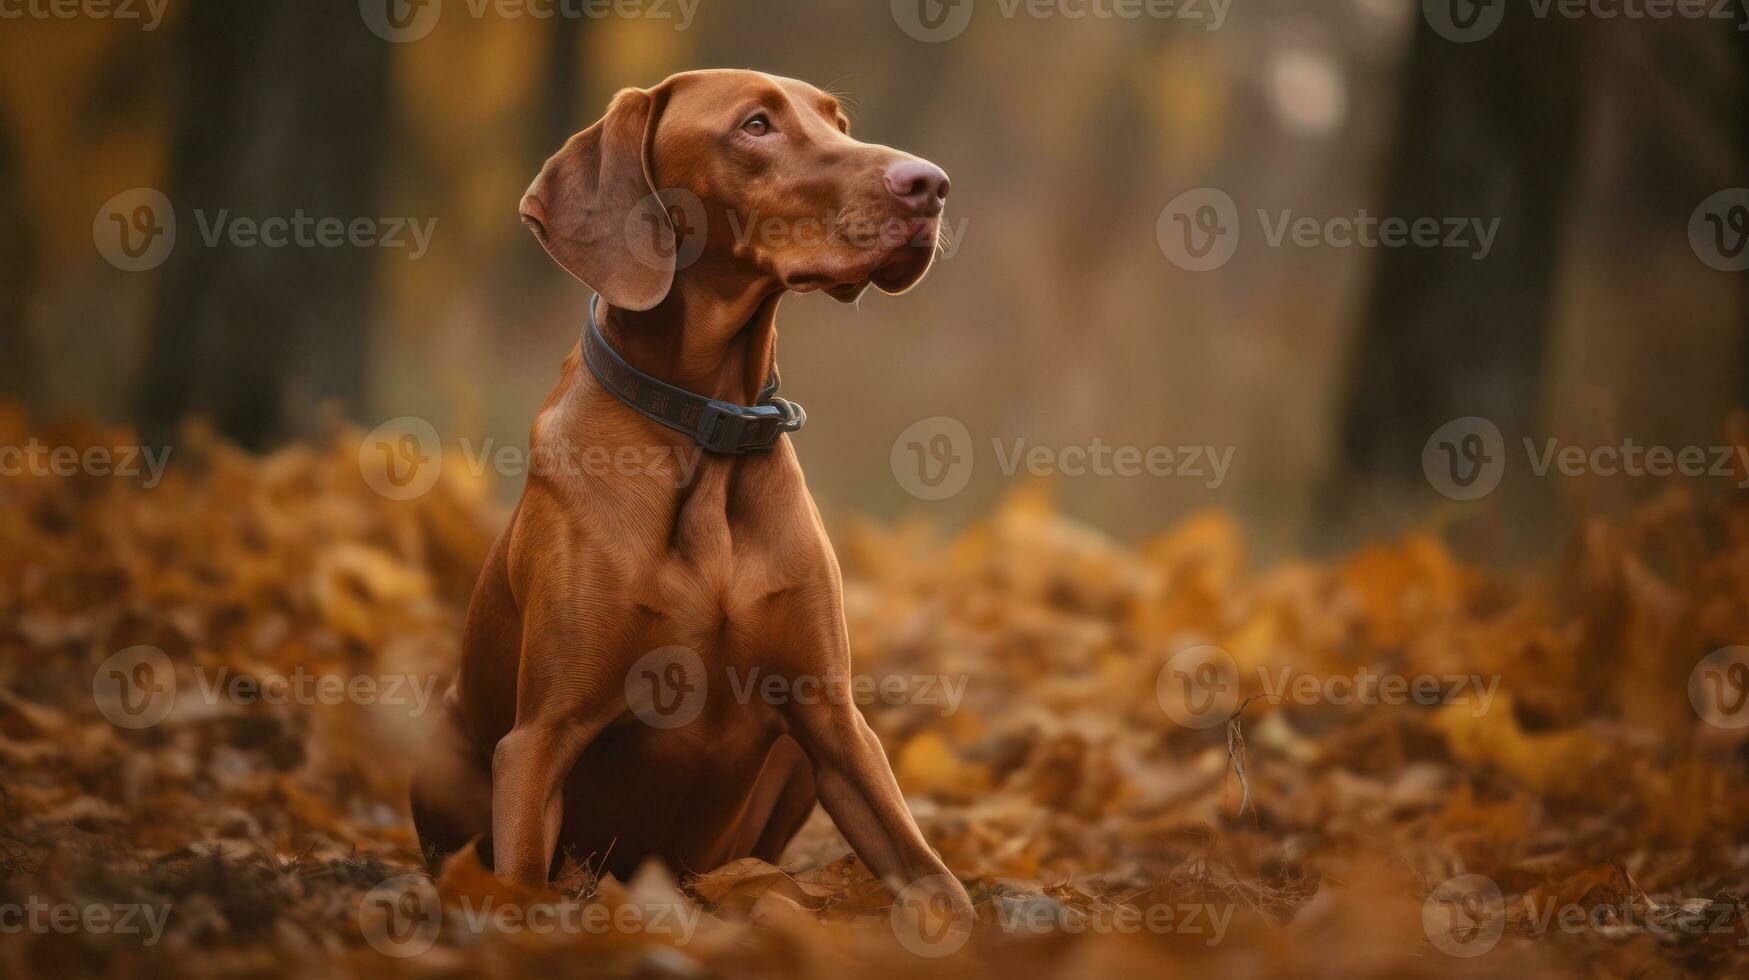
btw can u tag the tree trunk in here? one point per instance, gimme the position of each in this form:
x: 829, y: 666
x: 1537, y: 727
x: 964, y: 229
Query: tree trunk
x: 1487, y: 129
x: 1742, y: 40
x: 281, y: 110
x: 17, y: 275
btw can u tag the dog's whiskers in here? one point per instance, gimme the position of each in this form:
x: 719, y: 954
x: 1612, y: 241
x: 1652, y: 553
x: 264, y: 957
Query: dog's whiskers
x: 943, y: 240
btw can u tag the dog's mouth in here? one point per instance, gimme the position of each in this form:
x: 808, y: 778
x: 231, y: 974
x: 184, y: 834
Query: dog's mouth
x: 893, y: 260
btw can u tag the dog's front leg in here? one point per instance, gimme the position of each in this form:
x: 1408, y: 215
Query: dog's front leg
x: 857, y: 788
x: 560, y: 708
x: 528, y: 781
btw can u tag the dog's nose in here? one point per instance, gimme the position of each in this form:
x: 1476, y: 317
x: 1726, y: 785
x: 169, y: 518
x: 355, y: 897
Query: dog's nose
x: 920, y: 184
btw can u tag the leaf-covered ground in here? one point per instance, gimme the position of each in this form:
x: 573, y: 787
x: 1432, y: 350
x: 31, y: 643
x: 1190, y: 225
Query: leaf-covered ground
x: 1429, y: 768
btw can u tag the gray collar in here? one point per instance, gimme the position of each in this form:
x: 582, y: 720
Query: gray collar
x: 720, y: 427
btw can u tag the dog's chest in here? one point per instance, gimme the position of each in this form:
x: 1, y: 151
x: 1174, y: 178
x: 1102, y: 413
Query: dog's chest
x: 735, y: 575
x: 720, y: 599
x: 733, y: 556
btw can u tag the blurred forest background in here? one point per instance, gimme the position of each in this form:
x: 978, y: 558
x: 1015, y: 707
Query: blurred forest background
x: 1608, y: 778
x: 1055, y: 317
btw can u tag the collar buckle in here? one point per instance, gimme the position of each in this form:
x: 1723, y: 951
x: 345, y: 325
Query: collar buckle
x: 735, y: 429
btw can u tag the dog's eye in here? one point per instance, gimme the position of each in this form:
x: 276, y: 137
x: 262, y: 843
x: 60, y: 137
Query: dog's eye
x: 757, y: 126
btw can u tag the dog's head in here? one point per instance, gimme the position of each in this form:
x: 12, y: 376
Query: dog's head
x: 737, y: 175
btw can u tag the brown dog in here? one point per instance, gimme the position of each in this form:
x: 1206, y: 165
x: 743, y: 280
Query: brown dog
x: 611, y: 581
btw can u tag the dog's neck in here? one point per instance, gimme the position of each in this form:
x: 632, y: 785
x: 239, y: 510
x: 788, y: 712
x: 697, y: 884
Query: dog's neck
x: 716, y: 341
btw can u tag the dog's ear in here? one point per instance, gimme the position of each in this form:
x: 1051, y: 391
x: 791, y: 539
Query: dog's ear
x: 597, y: 193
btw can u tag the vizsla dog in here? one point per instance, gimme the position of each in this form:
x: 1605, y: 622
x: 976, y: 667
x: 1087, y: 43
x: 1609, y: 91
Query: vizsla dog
x: 690, y: 209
